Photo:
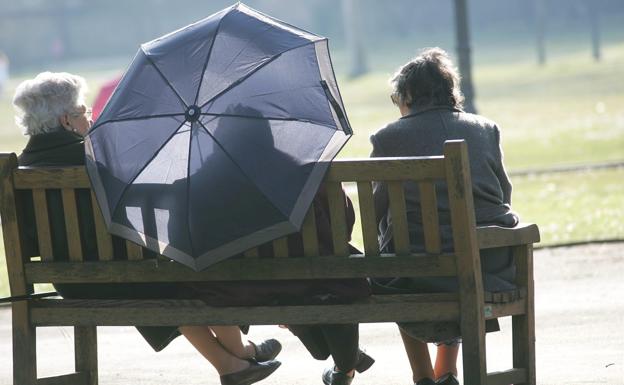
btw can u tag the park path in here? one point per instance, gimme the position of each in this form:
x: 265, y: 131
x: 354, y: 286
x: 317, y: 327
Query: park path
x: 580, y: 336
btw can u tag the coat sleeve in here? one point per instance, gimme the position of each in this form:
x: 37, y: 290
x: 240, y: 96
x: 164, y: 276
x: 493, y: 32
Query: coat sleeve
x: 501, y: 173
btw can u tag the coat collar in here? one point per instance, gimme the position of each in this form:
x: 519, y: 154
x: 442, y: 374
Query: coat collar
x: 420, y: 110
x: 49, y: 140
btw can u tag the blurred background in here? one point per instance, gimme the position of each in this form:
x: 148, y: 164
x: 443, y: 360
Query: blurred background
x: 550, y: 72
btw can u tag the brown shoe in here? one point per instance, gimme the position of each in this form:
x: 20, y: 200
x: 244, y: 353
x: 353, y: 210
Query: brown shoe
x: 256, y: 371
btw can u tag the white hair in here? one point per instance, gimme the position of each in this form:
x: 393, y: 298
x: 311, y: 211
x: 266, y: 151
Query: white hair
x: 41, y: 101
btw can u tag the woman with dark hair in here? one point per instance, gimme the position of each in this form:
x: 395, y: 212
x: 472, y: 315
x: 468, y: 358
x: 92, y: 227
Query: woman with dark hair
x: 426, y: 91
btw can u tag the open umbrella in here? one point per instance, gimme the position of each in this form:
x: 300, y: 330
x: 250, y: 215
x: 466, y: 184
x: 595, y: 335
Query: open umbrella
x: 217, y: 137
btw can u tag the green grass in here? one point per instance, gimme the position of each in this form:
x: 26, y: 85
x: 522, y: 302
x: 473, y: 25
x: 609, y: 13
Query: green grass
x: 569, y: 112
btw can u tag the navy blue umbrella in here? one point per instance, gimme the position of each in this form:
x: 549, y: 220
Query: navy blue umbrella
x: 217, y: 137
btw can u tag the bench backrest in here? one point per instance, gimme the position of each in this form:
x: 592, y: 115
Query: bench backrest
x: 452, y: 168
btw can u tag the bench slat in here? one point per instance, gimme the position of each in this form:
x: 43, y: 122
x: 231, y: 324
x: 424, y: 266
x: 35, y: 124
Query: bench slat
x: 239, y: 269
x: 309, y: 235
x: 496, y: 236
x: 189, y: 312
x: 135, y: 252
x: 337, y: 218
x: 71, y: 224
x: 280, y: 247
x: 251, y: 253
x: 43, y: 224
x: 400, y: 235
x: 104, y: 239
x: 369, y: 218
x: 431, y: 223
x: 51, y: 178
x: 386, y: 169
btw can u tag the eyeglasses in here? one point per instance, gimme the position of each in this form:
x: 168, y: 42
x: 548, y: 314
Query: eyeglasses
x: 88, y: 113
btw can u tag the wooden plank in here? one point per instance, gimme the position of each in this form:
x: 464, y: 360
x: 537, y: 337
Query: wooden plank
x: 52, y: 178
x: 71, y: 224
x: 400, y: 233
x: 237, y: 269
x: 104, y: 239
x: 386, y: 169
x: 66, y: 379
x: 251, y: 253
x: 24, y: 335
x: 309, y: 234
x: 431, y: 223
x: 511, y: 376
x: 280, y: 247
x: 337, y: 218
x: 85, y: 353
x: 523, y: 326
x: 468, y: 261
x: 43, y: 224
x: 368, y: 217
x: 135, y: 252
x: 496, y: 236
x: 194, y: 312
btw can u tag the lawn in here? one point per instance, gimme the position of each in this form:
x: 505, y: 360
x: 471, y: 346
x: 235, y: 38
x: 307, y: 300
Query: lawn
x: 568, y: 112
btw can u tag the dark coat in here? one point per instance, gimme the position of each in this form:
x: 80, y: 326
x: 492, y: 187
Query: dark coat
x: 63, y: 148
x: 423, y: 133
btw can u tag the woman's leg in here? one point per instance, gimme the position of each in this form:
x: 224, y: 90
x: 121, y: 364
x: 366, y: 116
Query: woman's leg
x: 418, y: 356
x: 446, y: 360
x: 230, y: 338
x: 207, y: 344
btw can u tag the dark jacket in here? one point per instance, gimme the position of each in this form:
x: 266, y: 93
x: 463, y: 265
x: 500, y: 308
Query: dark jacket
x: 63, y: 148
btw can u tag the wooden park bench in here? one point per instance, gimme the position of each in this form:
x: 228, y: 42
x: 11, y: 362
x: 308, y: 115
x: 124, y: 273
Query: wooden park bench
x: 469, y: 308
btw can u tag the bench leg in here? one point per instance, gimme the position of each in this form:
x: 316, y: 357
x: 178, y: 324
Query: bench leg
x: 85, y: 352
x: 524, y: 325
x: 473, y: 353
x: 24, y: 346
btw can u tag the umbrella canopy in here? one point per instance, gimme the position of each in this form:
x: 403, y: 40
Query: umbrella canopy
x: 217, y: 137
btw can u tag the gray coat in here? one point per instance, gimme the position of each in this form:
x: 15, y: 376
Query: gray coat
x: 422, y: 133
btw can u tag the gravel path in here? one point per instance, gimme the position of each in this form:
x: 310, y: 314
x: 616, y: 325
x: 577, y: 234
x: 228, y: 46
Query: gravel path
x: 580, y: 336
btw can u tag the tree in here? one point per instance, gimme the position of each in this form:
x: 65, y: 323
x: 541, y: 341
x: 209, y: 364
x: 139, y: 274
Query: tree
x: 353, y: 37
x: 463, y: 53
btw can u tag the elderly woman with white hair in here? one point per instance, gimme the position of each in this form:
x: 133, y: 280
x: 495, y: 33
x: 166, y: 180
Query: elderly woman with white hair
x: 52, y: 112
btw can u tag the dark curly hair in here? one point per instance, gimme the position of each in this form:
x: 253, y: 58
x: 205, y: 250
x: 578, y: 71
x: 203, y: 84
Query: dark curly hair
x: 430, y: 79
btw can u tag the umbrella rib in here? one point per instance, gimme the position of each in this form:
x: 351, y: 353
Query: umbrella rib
x: 239, y: 81
x: 123, y: 192
x: 208, y: 57
x: 135, y: 118
x: 269, y: 118
x: 188, y: 190
x: 240, y: 168
x: 149, y: 59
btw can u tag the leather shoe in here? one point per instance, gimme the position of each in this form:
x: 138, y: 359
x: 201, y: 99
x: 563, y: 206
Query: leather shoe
x: 447, y: 379
x: 364, y: 362
x: 255, y: 372
x: 332, y: 377
x: 425, y: 381
x: 267, y: 350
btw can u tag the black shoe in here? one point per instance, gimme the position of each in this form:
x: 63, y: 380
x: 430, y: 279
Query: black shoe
x: 267, y: 350
x: 364, y: 362
x: 255, y: 372
x: 447, y: 379
x: 425, y: 381
x: 332, y: 377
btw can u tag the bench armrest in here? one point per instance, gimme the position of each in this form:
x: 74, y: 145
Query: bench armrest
x: 496, y: 236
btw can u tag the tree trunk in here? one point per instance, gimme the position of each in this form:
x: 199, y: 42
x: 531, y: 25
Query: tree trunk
x: 463, y: 54
x: 353, y: 34
x: 540, y: 21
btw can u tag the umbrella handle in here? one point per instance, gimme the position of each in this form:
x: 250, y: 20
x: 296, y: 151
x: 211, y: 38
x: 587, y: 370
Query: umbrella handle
x: 27, y: 297
x: 336, y: 106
